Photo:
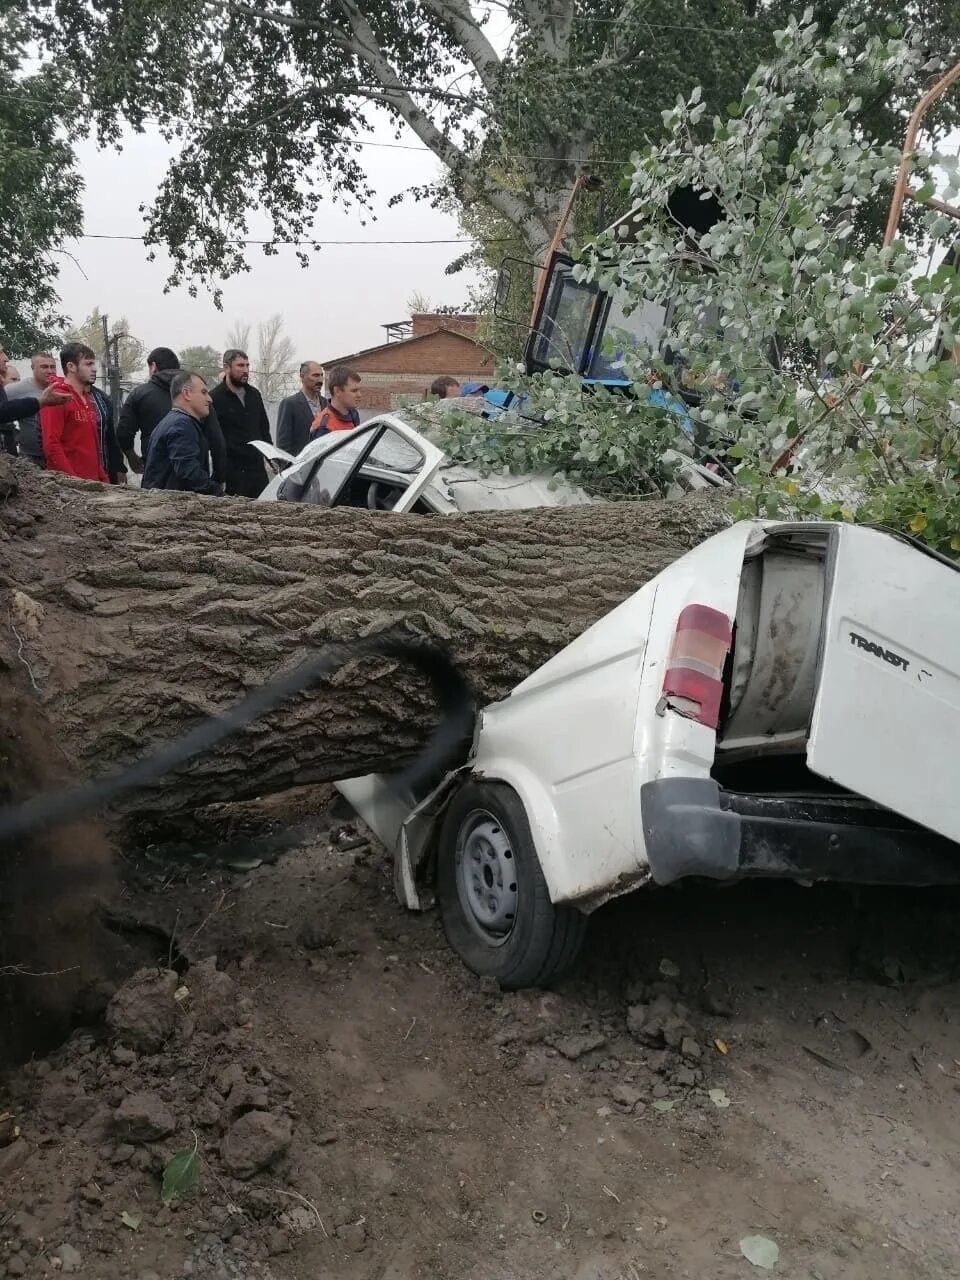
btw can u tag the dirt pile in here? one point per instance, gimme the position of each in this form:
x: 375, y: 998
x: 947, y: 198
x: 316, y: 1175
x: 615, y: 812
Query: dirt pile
x: 413, y: 1121
x: 180, y: 1088
x: 55, y: 958
x: 107, y: 1141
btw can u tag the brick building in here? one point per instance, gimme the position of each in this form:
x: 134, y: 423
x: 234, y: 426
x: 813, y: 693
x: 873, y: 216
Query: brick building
x: 417, y: 351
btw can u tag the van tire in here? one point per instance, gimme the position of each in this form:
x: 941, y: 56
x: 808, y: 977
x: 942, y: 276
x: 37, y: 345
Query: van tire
x: 493, y: 899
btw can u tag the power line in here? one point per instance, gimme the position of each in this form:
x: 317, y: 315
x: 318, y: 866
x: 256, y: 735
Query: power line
x: 306, y: 244
x: 241, y: 126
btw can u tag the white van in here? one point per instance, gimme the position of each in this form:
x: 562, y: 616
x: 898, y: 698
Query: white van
x: 779, y: 702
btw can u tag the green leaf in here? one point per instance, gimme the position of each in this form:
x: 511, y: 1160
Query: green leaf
x: 180, y: 1175
x: 663, y: 1104
x: 760, y: 1251
x: 131, y: 1220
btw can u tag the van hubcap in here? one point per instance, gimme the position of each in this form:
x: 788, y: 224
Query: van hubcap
x: 487, y: 875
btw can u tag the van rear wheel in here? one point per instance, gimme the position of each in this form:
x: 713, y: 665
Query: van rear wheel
x: 493, y: 899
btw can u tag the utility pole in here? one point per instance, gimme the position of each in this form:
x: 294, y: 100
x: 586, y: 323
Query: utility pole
x: 113, y: 376
x: 105, y: 359
x: 110, y: 366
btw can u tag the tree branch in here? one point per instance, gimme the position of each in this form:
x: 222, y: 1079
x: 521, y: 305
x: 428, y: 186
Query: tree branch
x: 272, y: 15
x: 361, y: 41
x: 471, y: 38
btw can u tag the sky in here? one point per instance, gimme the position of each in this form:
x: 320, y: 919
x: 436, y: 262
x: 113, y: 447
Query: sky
x: 333, y: 308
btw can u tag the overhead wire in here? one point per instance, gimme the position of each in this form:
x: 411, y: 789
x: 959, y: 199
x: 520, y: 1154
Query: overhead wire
x: 309, y: 243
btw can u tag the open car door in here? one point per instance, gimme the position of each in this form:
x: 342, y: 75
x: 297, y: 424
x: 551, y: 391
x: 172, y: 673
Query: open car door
x: 887, y: 708
x: 382, y: 465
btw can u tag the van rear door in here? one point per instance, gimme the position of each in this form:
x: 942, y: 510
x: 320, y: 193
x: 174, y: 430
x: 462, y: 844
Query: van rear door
x: 887, y: 709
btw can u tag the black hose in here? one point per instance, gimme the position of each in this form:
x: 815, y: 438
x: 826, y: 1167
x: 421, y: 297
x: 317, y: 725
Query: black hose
x: 53, y: 808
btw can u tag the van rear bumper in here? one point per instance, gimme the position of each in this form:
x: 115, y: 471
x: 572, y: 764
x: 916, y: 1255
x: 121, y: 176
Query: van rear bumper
x: 693, y: 827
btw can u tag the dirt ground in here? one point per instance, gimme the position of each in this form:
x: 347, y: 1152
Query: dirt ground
x: 762, y: 1060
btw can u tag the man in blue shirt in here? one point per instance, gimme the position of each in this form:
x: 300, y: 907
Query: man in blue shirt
x: 177, y: 454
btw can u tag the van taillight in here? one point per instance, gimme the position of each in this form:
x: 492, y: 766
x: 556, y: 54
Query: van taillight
x: 693, y: 684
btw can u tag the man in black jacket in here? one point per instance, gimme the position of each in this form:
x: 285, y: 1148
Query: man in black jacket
x: 242, y: 417
x: 177, y: 457
x: 147, y: 404
x: 111, y: 455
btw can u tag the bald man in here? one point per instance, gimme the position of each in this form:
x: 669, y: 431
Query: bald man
x: 299, y: 410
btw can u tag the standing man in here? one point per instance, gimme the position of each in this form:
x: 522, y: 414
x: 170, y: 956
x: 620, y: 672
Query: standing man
x: 111, y: 455
x: 342, y: 413
x: 70, y: 430
x: 148, y: 403
x: 43, y: 367
x: 178, y: 456
x: 242, y: 418
x: 24, y: 406
x: 298, y: 411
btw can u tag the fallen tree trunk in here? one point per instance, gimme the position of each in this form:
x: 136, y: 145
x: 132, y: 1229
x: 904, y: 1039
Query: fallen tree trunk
x: 129, y: 616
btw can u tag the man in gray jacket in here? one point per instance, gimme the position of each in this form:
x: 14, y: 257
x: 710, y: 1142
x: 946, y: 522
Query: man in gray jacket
x: 298, y: 411
x: 42, y: 368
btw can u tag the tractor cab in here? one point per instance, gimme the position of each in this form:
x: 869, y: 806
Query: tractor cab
x: 579, y: 328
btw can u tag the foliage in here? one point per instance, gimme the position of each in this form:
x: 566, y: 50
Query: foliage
x: 419, y: 304
x: 610, y: 444
x: 180, y: 1175
x: 238, y: 336
x: 39, y: 193
x: 276, y: 366
x: 856, y: 414
x: 131, y: 350
x: 272, y: 106
x: 273, y: 364
x: 204, y: 360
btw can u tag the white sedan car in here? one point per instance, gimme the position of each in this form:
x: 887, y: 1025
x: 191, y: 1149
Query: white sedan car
x: 387, y: 465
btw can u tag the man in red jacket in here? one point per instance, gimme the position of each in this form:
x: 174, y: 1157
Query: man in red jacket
x: 70, y: 432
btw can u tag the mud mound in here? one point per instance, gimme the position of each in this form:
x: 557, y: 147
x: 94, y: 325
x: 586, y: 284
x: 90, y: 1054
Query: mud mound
x: 56, y: 959
x: 109, y: 1139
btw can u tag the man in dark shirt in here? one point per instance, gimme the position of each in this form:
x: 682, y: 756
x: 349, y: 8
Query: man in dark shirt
x: 242, y: 418
x: 150, y: 402
x: 177, y: 453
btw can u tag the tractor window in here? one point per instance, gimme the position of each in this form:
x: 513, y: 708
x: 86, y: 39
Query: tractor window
x: 566, y: 321
x: 619, y: 334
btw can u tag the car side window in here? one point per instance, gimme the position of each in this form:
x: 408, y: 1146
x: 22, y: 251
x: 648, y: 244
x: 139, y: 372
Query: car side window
x: 393, y: 453
x: 371, y: 469
x: 333, y: 470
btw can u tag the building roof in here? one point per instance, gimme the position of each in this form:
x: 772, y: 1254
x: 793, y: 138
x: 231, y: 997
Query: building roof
x: 358, y: 356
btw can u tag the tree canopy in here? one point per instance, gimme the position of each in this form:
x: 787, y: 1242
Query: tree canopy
x: 205, y: 360
x: 272, y: 105
x: 130, y: 350
x: 39, y: 192
x: 822, y: 370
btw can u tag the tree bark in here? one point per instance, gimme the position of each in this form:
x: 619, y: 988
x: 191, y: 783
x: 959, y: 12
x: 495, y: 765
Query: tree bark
x: 129, y: 616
